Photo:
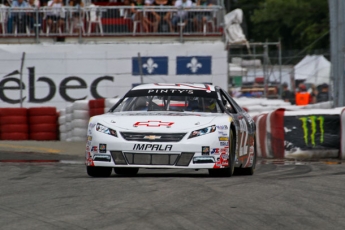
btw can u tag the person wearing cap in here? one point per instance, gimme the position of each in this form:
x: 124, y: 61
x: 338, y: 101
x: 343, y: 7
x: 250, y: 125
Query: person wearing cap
x: 302, y: 96
x: 287, y: 95
x: 324, y: 94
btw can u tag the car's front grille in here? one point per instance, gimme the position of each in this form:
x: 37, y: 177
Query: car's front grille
x: 151, y: 159
x: 124, y: 158
x: 150, y: 137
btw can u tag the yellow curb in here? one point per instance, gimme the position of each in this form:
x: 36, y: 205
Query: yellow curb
x: 49, y: 150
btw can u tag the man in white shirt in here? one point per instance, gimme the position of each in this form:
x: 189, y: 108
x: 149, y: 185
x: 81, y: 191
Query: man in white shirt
x: 182, y: 14
x: 55, y: 15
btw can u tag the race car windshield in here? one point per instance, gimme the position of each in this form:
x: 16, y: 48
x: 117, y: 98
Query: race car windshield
x: 169, y: 103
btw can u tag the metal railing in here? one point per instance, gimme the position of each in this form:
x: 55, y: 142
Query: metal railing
x: 96, y: 21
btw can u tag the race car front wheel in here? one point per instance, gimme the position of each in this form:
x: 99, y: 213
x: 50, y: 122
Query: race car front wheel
x: 98, y: 171
x: 126, y: 171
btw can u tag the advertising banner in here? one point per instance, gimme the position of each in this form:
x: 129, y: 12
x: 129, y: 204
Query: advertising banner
x: 59, y: 74
x: 312, y: 134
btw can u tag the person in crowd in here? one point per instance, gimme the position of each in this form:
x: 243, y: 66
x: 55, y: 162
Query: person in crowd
x: 288, y: 95
x: 182, y: 14
x: 21, y: 19
x: 32, y: 15
x: 201, y: 18
x: 77, y: 14
x: 313, y: 94
x: 126, y: 12
x: 302, y: 96
x: 153, y: 17
x: 55, y: 16
x: 137, y: 14
x: 43, y: 3
x: 165, y: 16
x: 324, y: 94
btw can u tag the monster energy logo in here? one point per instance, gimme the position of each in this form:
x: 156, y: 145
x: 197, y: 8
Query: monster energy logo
x: 314, y: 121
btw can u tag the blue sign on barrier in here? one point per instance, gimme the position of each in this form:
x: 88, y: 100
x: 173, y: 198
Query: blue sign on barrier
x: 199, y: 65
x: 150, y: 66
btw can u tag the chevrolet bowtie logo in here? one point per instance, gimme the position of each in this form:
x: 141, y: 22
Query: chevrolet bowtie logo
x: 153, y: 124
x: 152, y: 137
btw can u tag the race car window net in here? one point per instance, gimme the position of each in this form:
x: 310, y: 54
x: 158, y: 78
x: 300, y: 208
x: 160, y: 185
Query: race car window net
x: 176, y: 103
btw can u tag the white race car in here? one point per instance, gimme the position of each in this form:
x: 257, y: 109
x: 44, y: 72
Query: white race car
x: 161, y: 125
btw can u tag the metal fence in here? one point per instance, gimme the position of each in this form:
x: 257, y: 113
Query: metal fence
x: 110, y: 21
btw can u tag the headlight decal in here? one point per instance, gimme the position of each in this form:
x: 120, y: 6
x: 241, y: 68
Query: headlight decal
x: 200, y: 132
x: 103, y: 129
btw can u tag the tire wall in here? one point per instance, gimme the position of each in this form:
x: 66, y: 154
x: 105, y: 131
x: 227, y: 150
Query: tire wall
x: 14, y: 124
x: 96, y: 107
x: 43, y: 123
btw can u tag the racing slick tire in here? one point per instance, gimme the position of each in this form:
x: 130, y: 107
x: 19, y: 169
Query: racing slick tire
x: 98, y: 171
x: 229, y: 171
x: 126, y: 171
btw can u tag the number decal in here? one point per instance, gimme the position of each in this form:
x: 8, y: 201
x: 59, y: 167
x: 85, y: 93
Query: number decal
x: 243, y: 138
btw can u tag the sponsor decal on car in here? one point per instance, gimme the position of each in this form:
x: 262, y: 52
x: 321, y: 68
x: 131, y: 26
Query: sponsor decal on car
x: 94, y: 149
x: 222, y: 127
x: 153, y: 123
x: 215, y: 151
x: 205, y: 150
x: 102, y: 148
x: 222, y: 133
x: 89, y: 138
x: 224, y: 143
x: 170, y: 91
x: 91, y: 125
x: 88, y: 159
x: 152, y: 147
x: 225, y: 156
x: 224, y: 150
x: 223, y: 138
x: 222, y: 162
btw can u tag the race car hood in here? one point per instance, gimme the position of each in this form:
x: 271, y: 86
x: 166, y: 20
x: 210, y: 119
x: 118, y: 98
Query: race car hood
x: 162, y: 122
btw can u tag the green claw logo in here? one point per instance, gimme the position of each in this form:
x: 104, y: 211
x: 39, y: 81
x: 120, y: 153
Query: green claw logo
x: 313, y: 120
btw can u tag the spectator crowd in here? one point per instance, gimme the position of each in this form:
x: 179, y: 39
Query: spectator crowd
x: 305, y: 96
x: 154, y: 16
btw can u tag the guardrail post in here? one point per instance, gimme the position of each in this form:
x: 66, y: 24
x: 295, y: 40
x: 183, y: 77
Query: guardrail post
x: 80, y: 24
x: 37, y: 26
x: 181, y: 26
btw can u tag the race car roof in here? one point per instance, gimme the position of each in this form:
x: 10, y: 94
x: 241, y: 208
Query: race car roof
x: 191, y: 86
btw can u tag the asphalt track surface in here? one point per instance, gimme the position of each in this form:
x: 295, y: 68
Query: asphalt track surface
x: 45, y: 186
